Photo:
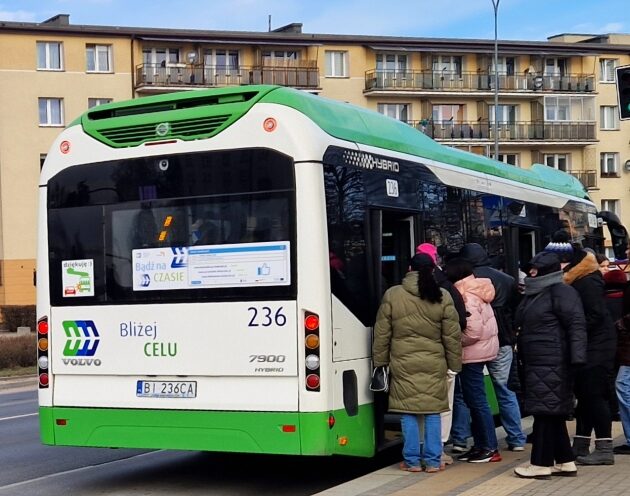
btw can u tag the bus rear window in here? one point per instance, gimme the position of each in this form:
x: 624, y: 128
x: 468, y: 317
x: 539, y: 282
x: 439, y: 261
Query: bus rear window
x: 208, y: 227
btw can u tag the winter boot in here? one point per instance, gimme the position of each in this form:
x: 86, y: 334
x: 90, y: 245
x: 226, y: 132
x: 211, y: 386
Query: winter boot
x: 603, y: 454
x: 581, y: 446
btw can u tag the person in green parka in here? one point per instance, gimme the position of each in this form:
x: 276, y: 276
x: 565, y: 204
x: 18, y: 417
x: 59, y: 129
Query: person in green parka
x: 417, y: 335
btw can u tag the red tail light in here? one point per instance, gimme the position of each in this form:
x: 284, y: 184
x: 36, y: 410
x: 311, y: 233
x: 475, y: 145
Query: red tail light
x: 312, y: 346
x: 43, y: 344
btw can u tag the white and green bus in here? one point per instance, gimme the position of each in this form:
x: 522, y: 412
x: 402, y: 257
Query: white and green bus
x: 210, y: 264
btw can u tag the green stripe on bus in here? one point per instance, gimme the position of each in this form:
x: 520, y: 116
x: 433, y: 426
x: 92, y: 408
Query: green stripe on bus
x: 352, y: 123
x: 243, y: 432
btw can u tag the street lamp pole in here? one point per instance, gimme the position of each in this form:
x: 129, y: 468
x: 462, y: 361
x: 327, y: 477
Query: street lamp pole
x: 495, y: 4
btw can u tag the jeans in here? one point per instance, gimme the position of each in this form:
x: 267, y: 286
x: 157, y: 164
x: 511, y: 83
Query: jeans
x: 460, y: 428
x: 509, y: 411
x: 474, y: 391
x: 432, y: 445
x: 622, y: 386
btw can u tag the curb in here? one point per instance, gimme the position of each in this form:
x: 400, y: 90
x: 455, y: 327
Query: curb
x: 17, y: 382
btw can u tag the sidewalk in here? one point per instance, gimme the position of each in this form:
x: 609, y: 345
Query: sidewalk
x: 493, y: 479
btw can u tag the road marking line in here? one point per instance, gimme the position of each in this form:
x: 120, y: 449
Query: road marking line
x: 74, y: 470
x: 18, y: 416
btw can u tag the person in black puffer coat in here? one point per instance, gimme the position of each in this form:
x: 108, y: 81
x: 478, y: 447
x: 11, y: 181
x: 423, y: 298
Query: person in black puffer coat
x: 551, y: 341
x: 592, y: 388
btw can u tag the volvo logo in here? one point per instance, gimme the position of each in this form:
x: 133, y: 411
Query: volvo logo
x: 82, y: 338
x: 162, y: 129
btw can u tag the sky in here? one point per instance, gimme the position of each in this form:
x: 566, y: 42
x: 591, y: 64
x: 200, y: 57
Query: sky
x: 517, y: 19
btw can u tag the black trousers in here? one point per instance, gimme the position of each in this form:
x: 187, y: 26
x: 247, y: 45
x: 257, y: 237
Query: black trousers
x: 550, y: 441
x: 592, y: 390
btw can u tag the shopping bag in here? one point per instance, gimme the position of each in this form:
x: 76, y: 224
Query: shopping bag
x: 380, y: 379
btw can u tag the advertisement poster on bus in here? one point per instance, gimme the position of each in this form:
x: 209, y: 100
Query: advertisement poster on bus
x: 77, y: 278
x: 212, y: 266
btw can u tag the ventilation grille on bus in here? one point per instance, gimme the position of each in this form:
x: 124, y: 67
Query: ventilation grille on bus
x: 202, y: 127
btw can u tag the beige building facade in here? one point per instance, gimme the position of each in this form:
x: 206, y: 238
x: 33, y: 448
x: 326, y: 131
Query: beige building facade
x: 557, y: 99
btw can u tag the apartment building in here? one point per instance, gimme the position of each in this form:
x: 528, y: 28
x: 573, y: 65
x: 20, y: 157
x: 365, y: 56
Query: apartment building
x: 557, y: 99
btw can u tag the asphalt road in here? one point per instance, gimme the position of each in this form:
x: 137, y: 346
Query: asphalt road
x: 28, y: 468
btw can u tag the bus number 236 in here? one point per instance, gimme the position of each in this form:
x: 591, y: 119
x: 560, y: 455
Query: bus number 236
x: 265, y: 317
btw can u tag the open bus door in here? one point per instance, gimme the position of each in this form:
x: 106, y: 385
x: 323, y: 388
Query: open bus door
x: 522, y: 244
x: 393, y: 239
x: 618, y: 237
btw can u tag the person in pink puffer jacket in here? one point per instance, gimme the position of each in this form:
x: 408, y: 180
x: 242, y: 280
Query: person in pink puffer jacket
x: 480, y: 343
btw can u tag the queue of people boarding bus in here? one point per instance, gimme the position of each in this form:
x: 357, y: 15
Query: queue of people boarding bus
x: 551, y: 349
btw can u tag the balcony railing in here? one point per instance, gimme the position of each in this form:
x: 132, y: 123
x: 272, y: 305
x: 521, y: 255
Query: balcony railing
x: 588, y: 178
x: 185, y: 75
x: 475, y: 81
x: 508, y: 131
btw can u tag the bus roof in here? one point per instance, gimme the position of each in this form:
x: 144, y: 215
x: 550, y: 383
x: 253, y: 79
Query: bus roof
x: 216, y: 109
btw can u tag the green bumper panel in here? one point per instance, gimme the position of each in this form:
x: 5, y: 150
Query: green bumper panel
x: 243, y: 432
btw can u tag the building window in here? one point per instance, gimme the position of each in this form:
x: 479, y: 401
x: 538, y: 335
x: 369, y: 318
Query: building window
x: 99, y: 58
x: 507, y: 158
x: 611, y: 206
x: 391, y: 62
x: 608, y: 118
x: 609, y: 164
x: 443, y: 113
x: 399, y: 111
x: 448, y: 65
x: 507, y: 114
x: 49, y: 56
x: 280, y: 57
x: 336, y: 64
x: 93, y: 102
x: 559, y: 161
x: 505, y: 65
x: 557, y: 108
x: 607, y: 70
x: 556, y: 66
x: 50, y: 112
x: 160, y: 56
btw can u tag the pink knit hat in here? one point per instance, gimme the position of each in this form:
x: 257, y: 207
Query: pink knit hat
x: 427, y: 249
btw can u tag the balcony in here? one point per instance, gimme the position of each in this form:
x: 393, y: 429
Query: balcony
x: 588, y: 178
x: 571, y: 131
x: 447, y: 81
x: 186, y: 76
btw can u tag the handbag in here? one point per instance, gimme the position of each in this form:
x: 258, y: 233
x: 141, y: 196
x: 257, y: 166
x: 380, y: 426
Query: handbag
x: 380, y: 379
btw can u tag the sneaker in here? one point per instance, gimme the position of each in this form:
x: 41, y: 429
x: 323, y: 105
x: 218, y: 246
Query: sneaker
x: 533, y: 472
x: 446, y: 459
x: 471, y: 452
x: 516, y: 448
x: 567, y: 469
x: 409, y: 468
x: 624, y: 449
x: 485, y: 456
x: 458, y: 448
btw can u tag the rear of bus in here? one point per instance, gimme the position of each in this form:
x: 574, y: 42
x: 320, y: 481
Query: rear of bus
x: 173, y: 308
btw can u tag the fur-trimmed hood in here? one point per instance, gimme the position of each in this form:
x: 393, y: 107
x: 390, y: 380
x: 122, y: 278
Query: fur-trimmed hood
x: 581, y: 269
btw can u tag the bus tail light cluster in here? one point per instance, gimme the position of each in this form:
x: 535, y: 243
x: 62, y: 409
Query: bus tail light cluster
x: 42, y: 352
x: 312, y: 347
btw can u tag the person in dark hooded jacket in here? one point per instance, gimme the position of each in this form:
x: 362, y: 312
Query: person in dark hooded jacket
x: 503, y: 304
x: 552, y: 339
x: 592, y: 381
